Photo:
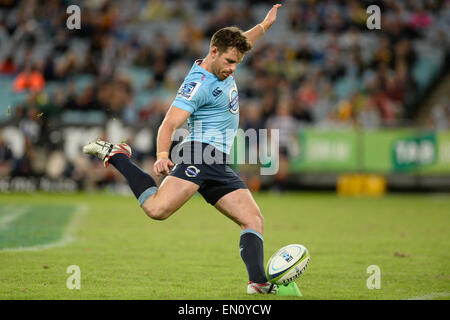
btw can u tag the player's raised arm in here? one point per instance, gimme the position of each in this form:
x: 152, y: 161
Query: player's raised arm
x: 257, y: 31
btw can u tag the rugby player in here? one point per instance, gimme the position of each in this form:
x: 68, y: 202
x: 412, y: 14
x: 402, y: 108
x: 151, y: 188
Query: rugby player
x: 209, y: 97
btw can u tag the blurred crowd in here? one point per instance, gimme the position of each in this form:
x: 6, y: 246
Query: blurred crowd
x: 318, y: 66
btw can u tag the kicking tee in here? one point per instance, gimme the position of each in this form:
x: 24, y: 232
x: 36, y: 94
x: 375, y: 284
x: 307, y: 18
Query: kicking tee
x: 213, y: 105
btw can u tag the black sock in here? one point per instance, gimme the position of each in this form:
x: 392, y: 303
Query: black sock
x: 252, y: 252
x: 138, y: 180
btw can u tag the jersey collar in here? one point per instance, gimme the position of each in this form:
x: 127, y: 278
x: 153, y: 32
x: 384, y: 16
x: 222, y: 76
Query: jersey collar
x: 197, y: 65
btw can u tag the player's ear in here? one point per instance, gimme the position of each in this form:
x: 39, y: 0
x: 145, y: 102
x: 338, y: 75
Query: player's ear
x: 214, y: 51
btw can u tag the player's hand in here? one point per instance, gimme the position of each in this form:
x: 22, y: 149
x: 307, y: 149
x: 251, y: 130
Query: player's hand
x: 162, y: 166
x: 271, y: 16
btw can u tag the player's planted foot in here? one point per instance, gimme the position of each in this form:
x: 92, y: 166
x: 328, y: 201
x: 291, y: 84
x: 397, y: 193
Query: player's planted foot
x: 105, y: 150
x: 254, y: 288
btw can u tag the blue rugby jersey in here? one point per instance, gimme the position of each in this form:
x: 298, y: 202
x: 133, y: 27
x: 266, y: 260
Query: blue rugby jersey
x: 213, y: 105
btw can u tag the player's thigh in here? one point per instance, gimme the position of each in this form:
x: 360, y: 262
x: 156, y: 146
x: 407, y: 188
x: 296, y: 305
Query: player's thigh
x: 240, y: 207
x: 171, y: 195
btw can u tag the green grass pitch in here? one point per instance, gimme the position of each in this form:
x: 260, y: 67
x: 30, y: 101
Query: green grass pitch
x: 122, y: 254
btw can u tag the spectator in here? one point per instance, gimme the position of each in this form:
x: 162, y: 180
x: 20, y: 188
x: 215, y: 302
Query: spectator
x: 303, y: 78
x: 6, y: 158
x: 287, y: 127
x: 8, y: 67
x: 29, y: 79
x: 285, y: 123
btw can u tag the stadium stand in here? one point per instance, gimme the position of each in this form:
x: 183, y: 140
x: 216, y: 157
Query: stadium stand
x: 319, y: 66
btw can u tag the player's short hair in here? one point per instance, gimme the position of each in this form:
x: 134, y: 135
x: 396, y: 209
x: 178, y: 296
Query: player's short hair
x: 231, y: 37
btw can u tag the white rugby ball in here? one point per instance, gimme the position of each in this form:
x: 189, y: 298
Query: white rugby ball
x: 287, y: 264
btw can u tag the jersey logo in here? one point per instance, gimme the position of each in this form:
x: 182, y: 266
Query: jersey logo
x: 234, y: 100
x: 188, y: 90
x: 216, y: 92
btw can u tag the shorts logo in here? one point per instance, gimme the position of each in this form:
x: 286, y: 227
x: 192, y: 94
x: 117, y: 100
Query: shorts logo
x: 188, y: 90
x: 192, y: 171
x: 234, y: 100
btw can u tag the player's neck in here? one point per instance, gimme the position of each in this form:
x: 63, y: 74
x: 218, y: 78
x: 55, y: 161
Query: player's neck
x: 207, y: 64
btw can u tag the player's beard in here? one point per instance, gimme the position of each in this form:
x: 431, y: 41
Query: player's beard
x: 226, y: 74
x: 220, y: 73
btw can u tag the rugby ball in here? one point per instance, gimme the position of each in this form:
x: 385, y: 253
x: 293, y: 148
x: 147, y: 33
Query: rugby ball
x: 287, y: 264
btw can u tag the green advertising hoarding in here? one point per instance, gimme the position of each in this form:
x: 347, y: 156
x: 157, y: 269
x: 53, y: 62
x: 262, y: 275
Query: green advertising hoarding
x: 378, y: 151
x: 442, y: 159
x: 329, y: 151
x: 401, y: 150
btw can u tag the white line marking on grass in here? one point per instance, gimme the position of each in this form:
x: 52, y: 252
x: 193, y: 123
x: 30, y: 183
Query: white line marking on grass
x: 12, y: 214
x: 67, y: 237
x: 430, y: 296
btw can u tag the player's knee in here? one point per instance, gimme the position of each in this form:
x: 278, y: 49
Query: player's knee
x: 255, y: 222
x: 156, y: 212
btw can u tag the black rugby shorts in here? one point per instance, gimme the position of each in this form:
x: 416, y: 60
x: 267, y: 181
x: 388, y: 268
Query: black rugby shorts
x: 214, y: 179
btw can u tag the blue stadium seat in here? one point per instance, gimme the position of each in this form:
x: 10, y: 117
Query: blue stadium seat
x: 72, y: 117
x: 346, y: 86
x: 18, y: 97
x: 139, y: 77
x: 82, y: 81
x: 142, y: 99
x: 94, y: 117
x: 6, y: 92
x: 76, y: 117
x: 51, y: 86
x: 424, y: 71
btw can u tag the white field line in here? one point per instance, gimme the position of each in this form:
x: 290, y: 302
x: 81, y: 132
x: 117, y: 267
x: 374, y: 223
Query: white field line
x: 67, y: 237
x: 12, y: 214
x: 431, y: 296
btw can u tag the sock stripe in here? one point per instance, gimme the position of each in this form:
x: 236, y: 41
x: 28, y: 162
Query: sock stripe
x: 256, y: 233
x: 146, y: 194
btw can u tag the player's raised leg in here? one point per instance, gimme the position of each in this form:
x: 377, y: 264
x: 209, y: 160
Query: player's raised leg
x: 172, y: 194
x: 157, y: 203
x: 240, y: 207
